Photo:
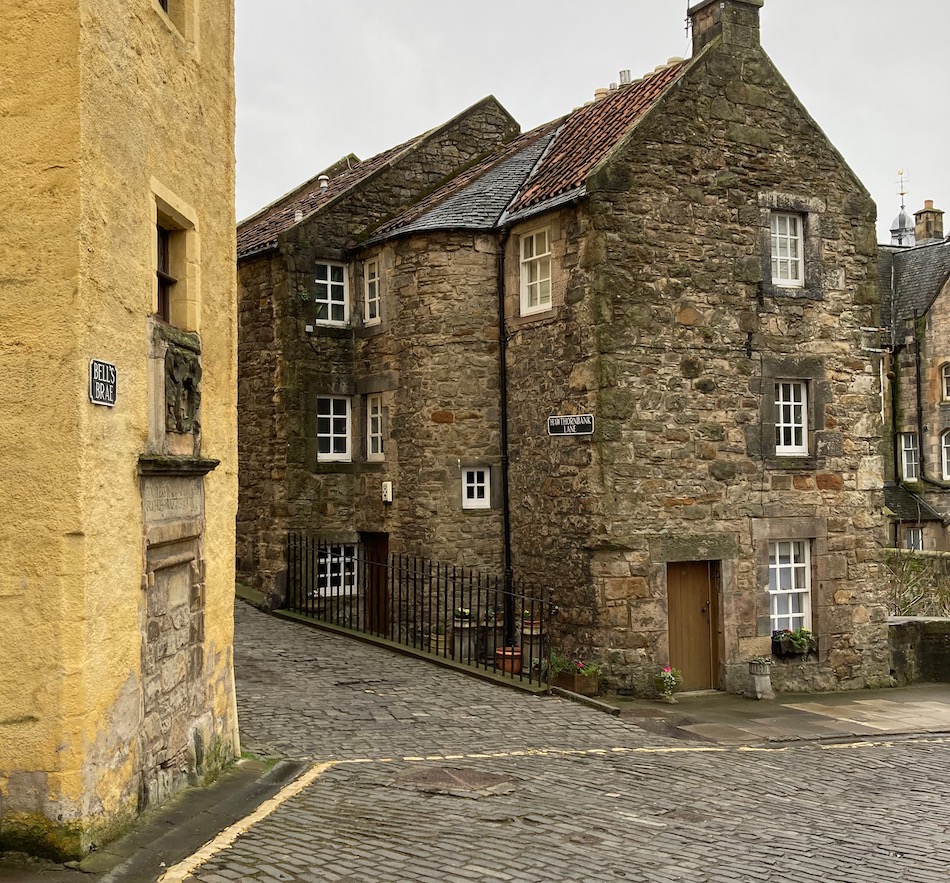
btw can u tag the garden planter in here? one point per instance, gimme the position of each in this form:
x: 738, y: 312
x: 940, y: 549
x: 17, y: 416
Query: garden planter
x: 585, y: 685
x: 508, y: 660
x: 463, y: 639
x: 783, y: 648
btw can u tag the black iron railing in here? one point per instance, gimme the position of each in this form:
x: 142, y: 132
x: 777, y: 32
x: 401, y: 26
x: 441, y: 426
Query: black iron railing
x: 449, y: 611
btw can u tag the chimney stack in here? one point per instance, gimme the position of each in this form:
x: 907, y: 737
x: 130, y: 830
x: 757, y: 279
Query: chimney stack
x: 928, y: 225
x: 736, y: 21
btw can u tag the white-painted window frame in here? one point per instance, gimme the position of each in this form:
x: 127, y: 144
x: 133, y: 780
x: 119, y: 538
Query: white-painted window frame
x: 791, y: 418
x: 371, y: 292
x: 910, y: 456
x: 914, y: 538
x: 945, y: 381
x: 788, y: 253
x: 535, y: 253
x: 336, y: 570
x: 334, y: 429
x: 375, y: 441
x: 476, y: 487
x: 331, y: 301
x: 790, y: 584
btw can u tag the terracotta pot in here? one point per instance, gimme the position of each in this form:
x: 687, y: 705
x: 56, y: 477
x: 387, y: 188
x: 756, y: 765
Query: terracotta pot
x: 508, y: 659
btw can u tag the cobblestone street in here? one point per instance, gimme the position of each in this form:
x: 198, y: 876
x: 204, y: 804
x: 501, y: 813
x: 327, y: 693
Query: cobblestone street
x: 432, y: 775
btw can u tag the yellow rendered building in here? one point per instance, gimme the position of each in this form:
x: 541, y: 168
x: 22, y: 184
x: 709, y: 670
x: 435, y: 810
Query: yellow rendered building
x: 118, y: 459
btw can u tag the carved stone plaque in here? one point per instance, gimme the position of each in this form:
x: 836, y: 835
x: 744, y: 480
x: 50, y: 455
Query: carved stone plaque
x: 167, y: 498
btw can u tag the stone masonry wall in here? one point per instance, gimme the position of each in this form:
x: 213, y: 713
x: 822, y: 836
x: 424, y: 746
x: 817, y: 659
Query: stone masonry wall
x: 666, y: 329
x: 442, y: 351
x: 275, y: 307
x: 554, y: 368
x: 692, y: 338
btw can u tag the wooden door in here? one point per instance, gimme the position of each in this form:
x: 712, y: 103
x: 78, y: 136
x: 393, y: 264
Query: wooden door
x: 376, y: 581
x: 693, y: 601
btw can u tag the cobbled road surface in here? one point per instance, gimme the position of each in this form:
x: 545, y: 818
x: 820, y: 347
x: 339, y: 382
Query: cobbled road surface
x: 429, y: 775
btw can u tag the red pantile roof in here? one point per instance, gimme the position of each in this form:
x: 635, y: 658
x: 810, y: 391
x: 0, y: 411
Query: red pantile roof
x: 589, y: 133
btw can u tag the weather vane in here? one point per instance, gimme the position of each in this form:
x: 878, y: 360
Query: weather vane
x: 902, y: 180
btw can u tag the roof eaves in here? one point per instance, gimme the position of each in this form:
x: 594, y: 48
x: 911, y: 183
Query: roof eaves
x: 538, y: 208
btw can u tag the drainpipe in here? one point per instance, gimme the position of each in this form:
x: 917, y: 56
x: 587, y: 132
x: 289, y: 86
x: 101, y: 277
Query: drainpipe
x: 503, y: 392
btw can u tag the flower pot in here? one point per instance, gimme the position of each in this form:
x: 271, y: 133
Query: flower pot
x: 530, y: 627
x: 585, y: 685
x: 760, y: 668
x: 508, y: 660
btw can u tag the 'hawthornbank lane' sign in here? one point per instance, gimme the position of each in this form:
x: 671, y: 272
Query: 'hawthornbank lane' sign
x: 571, y: 424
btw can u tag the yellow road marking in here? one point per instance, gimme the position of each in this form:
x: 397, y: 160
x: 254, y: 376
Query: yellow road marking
x: 184, y: 869
x: 180, y: 872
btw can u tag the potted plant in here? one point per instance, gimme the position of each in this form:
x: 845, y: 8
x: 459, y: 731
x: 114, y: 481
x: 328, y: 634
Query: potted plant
x: 575, y: 675
x: 529, y: 625
x: 797, y: 642
x: 668, y: 680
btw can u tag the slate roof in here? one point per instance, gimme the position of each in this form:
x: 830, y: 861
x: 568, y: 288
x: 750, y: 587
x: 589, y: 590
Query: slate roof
x: 919, y: 274
x: 539, y: 170
x: 907, y: 506
x: 477, y: 198
x: 260, y: 231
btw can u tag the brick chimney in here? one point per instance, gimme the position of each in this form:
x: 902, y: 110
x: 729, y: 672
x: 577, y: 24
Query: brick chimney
x: 736, y: 21
x: 928, y: 223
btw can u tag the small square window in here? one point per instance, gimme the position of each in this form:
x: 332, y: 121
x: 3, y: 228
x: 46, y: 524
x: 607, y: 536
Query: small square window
x: 788, y: 266
x: 329, y: 295
x: 535, y: 272
x: 336, y: 571
x: 333, y: 429
x: 371, y: 292
x: 476, y: 488
x: 910, y: 456
x: 791, y: 418
x: 790, y: 585
x: 374, y: 428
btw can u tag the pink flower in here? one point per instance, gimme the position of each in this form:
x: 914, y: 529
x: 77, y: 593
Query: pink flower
x: 667, y: 668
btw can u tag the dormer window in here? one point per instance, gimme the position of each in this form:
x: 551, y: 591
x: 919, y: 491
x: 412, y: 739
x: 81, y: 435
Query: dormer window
x: 535, y: 272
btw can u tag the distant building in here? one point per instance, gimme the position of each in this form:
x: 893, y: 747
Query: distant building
x: 682, y: 272
x: 117, y: 344
x: 915, y: 286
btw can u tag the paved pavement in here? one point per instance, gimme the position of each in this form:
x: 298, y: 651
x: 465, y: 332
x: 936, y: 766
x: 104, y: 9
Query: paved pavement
x: 417, y: 773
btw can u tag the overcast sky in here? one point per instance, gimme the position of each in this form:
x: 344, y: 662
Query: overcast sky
x: 317, y: 80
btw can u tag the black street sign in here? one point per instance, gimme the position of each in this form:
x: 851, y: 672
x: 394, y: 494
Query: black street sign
x: 571, y: 424
x: 102, y: 383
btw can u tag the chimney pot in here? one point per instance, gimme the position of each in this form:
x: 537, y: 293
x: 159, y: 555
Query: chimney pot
x: 600, y: 93
x: 625, y: 77
x: 323, y: 181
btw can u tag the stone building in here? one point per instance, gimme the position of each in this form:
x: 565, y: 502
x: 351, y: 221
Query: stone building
x: 915, y: 286
x: 628, y: 355
x: 118, y: 455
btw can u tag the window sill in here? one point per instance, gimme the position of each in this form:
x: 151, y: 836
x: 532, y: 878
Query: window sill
x: 807, y: 292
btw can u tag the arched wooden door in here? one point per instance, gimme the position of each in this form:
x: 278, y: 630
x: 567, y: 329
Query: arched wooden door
x: 692, y: 589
